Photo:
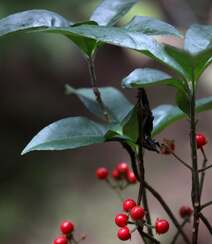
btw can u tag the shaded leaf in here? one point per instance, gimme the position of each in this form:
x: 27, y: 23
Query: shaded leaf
x: 67, y: 133
x: 115, y: 102
x: 151, y: 26
x: 165, y: 115
x: 108, y: 12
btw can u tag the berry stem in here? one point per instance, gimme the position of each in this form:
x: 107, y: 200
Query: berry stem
x: 205, y: 168
x: 146, y: 236
x: 186, y: 220
x: 168, y: 211
x: 96, y: 91
x: 181, y: 160
x: 206, y: 222
x: 206, y: 205
x: 115, y: 189
x: 195, y: 192
x: 204, y: 164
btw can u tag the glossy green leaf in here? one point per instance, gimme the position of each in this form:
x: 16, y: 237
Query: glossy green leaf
x: 31, y: 19
x: 115, y: 102
x: 67, y: 133
x: 151, y: 26
x: 165, y: 115
x: 124, y: 38
x: 198, y: 42
x: 108, y: 12
x: 148, y: 77
x: 198, y: 38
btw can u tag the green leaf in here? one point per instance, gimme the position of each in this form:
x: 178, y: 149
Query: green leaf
x: 148, y: 77
x: 125, y: 38
x: 67, y: 133
x: 115, y: 102
x: 108, y: 12
x: 165, y: 115
x: 151, y: 26
x: 198, y: 42
x: 198, y: 38
x: 183, y: 102
x: 31, y: 19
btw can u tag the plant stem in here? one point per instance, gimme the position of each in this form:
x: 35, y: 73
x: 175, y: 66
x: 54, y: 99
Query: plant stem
x: 148, y: 217
x: 206, y: 205
x: 181, y: 161
x: 96, y: 91
x: 206, y: 222
x: 168, y: 211
x: 195, y: 192
x: 178, y: 233
x: 146, y: 236
x: 204, y: 163
x: 205, y: 168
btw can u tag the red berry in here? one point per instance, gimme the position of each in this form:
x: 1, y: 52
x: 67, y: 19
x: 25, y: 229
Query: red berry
x: 124, y: 234
x: 102, y: 173
x: 128, y: 204
x: 66, y: 227
x: 201, y: 140
x: 123, y: 168
x: 116, y: 174
x: 61, y: 240
x: 131, y: 177
x: 161, y: 226
x: 185, y: 212
x: 137, y: 213
x: 121, y: 220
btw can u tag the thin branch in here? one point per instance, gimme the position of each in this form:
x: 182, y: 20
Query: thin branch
x: 168, y: 211
x: 206, y: 222
x: 178, y: 233
x: 148, y: 217
x: 96, y: 91
x: 181, y: 160
x: 204, y: 163
x: 206, y: 205
x: 205, y: 168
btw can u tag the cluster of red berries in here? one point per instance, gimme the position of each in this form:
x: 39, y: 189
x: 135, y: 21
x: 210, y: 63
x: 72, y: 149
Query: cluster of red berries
x: 67, y: 229
x: 201, y: 140
x: 120, y: 172
x: 136, y: 213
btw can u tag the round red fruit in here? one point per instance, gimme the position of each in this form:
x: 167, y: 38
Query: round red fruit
x: 185, y: 212
x: 67, y: 227
x: 61, y: 240
x: 161, y: 226
x: 121, y: 220
x: 201, y: 140
x: 137, y: 213
x: 128, y: 204
x: 131, y: 177
x: 116, y: 174
x: 102, y: 173
x: 123, y: 168
x: 124, y: 234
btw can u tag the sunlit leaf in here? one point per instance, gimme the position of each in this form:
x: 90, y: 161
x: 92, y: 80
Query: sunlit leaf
x: 108, y: 12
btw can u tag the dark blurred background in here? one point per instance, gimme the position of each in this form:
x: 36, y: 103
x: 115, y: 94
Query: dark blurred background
x: 39, y: 190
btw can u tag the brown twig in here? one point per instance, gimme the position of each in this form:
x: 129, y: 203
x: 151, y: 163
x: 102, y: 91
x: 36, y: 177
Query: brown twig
x: 206, y: 205
x: 206, y: 222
